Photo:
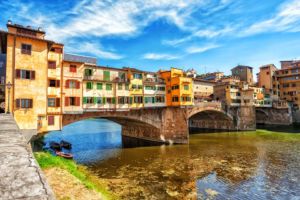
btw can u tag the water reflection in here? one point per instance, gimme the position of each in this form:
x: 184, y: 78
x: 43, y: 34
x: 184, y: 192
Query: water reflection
x: 212, y: 166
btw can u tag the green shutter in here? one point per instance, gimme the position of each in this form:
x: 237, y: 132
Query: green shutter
x: 130, y: 100
x: 108, y: 86
x: 114, y: 100
x: 84, y: 100
x: 146, y: 99
x: 153, y: 99
x: 95, y: 100
x: 99, y: 86
x: 106, y: 75
x: 104, y: 100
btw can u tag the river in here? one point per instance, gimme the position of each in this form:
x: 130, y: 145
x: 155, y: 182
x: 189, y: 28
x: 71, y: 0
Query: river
x: 243, y: 165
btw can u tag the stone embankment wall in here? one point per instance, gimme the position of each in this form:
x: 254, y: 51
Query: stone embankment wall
x: 20, y: 175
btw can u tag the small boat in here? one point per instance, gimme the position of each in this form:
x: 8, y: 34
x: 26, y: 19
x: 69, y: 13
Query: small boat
x: 65, y: 144
x: 55, y: 146
x: 64, y: 155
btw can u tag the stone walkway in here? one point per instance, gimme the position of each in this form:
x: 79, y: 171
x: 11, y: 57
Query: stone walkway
x: 20, y: 175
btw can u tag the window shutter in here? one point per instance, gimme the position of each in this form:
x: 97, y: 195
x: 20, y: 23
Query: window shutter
x: 77, y: 99
x: 30, y: 103
x: 32, y: 75
x: 77, y: 85
x: 67, y: 101
x: 104, y: 100
x: 130, y: 100
x: 50, y: 120
x: 114, y: 100
x: 57, y: 83
x: 95, y: 100
x: 67, y: 83
x: 18, y: 103
x: 84, y: 100
x: 57, y: 103
x: 18, y: 73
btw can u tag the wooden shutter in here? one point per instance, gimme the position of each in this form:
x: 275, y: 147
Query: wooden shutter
x: 67, y: 83
x: 18, y: 73
x: 18, y: 101
x: 67, y: 101
x: 77, y: 101
x: 77, y: 85
x: 32, y: 75
x: 57, y: 102
x: 57, y: 83
x: 50, y: 120
x: 30, y: 103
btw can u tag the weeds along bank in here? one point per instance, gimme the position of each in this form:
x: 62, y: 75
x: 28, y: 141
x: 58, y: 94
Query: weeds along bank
x: 69, y: 180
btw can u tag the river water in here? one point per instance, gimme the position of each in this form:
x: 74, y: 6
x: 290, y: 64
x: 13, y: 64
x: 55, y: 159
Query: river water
x: 244, y: 165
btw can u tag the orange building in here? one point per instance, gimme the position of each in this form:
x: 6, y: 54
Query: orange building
x: 179, y: 88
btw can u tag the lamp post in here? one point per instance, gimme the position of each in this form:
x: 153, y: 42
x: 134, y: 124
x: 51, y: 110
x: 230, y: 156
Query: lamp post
x: 8, y: 85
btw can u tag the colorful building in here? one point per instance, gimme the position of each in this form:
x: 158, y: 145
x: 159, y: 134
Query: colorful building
x: 203, y: 90
x: 136, y: 91
x: 286, y: 82
x: 244, y: 72
x: 154, y: 90
x: 179, y: 88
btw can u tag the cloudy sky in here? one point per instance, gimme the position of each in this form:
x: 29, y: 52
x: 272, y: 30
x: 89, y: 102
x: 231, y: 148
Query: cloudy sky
x: 207, y: 35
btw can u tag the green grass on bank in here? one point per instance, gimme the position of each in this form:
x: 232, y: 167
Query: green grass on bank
x: 277, y: 135
x: 46, y: 160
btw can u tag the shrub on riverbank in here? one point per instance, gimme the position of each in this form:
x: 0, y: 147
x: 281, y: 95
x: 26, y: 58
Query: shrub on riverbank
x: 46, y: 161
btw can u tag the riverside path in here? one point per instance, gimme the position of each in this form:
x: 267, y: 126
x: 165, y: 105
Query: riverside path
x: 20, y: 175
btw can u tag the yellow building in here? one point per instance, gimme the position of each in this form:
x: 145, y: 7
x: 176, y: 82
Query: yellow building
x: 29, y: 56
x: 179, y: 88
x: 136, y: 91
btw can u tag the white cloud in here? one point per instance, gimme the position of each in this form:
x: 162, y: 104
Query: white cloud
x: 201, y: 49
x: 286, y: 19
x: 156, y: 56
x: 95, y: 50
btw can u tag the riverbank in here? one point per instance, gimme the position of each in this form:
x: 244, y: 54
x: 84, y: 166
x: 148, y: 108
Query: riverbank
x: 71, y: 181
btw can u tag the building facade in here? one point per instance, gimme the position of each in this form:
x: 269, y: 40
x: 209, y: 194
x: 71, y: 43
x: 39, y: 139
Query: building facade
x: 179, y: 88
x: 286, y: 82
x: 154, y: 90
x: 264, y: 77
x: 203, y: 90
x: 214, y: 77
x: 244, y: 72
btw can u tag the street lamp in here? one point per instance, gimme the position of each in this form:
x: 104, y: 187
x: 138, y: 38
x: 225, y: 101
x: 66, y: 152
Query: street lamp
x: 8, y: 85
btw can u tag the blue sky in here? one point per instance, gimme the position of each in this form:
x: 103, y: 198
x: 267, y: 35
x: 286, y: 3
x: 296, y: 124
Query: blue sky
x: 207, y: 35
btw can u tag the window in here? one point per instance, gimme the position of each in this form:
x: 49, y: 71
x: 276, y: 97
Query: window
x: 175, y: 87
x: 140, y: 87
x: 120, y: 86
x: 110, y: 100
x: 186, y: 87
x: 51, y: 120
x: 99, y: 86
x: 51, y: 65
x: 161, y: 88
x: 138, y: 99
x: 53, y: 102
x: 23, y: 103
x: 150, y: 87
x: 72, y: 101
x: 89, y: 100
x: 126, y: 86
x: 186, y: 99
x: 74, y: 84
x: 137, y: 76
x: 25, y: 74
x: 88, y: 72
x: 175, y: 99
x: 106, y: 75
x: 123, y: 100
x: 99, y: 100
x: 108, y: 87
x: 89, y: 85
x: 149, y: 99
x: 160, y: 99
x: 54, y: 83
x: 73, y: 68
x: 26, y: 49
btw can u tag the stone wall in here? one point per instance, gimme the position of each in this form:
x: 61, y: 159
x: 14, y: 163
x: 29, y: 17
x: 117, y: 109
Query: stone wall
x: 273, y: 116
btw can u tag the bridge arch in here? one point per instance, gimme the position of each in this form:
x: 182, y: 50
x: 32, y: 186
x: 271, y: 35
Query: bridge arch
x: 215, y: 119
x: 262, y: 116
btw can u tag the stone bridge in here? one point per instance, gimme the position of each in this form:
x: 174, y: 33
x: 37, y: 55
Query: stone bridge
x: 171, y: 124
